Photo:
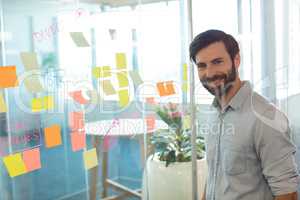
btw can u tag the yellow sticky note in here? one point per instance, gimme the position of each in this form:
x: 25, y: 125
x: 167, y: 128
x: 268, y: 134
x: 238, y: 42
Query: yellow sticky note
x: 8, y: 77
x: 187, y: 122
x: 37, y: 104
x: 14, y: 165
x: 123, y: 79
x: 136, y: 78
x: 121, y: 61
x: 94, y: 97
x: 101, y: 72
x: 185, y: 72
x: 29, y: 60
x: 3, y: 107
x: 90, y: 158
x: 185, y: 86
x: 123, y: 97
x: 33, y: 84
x: 48, y: 102
x: 108, y: 88
x: 79, y: 39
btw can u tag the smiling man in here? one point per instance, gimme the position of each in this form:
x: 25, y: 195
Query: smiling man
x: 256, y: 161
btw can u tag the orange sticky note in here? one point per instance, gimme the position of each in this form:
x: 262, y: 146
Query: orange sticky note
x: 52, y: 136
x: 78, y: 140
x: 121, y: 61
x: 32, y: 159
x: 165, y: 88
x: 76, y: 120
x: 8, y: 77
x: 14, y: 165
x: 90, y: 158
x: 78, y: 97
x: 150, y: 122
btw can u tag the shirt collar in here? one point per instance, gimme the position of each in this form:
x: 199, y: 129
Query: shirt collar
x: 238, y: 99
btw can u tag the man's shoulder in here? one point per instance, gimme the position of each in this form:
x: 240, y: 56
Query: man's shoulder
x: 267, y: 113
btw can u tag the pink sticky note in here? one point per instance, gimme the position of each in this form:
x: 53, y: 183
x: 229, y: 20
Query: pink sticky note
x: 76, y: 120
x: 150, y: 122
x: 78, y: 139
x: 77, y: 96
x: 150, y: 100
x: 108, y: 142
x: 32, y: 159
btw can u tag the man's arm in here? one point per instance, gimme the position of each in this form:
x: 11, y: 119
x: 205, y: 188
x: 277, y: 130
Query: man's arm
x: 291, y: 196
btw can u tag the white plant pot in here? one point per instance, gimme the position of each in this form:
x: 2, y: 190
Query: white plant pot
x: 173, y: 182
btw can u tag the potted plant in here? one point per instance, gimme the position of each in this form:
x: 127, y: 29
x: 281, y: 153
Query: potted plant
x: 168, y: 173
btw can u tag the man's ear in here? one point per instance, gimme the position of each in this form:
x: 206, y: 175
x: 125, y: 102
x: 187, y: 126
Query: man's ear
x: 237, y: 60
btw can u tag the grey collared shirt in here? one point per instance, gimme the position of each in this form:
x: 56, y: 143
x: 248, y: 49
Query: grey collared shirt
x: 249, y: 150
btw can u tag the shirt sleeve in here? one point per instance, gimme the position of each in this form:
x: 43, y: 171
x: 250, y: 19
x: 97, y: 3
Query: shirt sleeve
x: 276, y: 152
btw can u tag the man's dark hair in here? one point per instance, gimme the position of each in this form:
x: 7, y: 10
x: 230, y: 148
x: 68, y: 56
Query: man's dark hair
x: 208, y: 37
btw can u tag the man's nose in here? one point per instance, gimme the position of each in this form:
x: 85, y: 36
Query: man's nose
x: 210, y: 71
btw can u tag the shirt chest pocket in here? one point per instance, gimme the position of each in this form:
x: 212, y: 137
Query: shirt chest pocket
x: 235, y: 161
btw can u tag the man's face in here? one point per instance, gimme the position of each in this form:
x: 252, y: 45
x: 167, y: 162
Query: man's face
x: 216, y: 70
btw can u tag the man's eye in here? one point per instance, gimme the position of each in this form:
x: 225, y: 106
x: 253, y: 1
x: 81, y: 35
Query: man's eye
x: 201, y: 66
x: 216, y: 62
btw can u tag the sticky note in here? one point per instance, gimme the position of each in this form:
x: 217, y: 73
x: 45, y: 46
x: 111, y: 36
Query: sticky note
x: 136, y: 78
x: 78, y: 140
x: 90, y: 158
x: 48, y: 102
x: 29, y: 60
x: 76, y: 120
x: 42, y: 103
x: 8, y: 77
x: 3, y: 107
x: 185, y: 72
x: 185, y: 87
x: 79, y: 39
x: 123, y: 79
x: 150, y: 123
x: 37, y: 104
x: 107, y: 87
x: 150, y: 100
x: 123, y: 97
x: 14, y: 165
x: 187, y: 122
x: 121, y: 61
x: 33, y: 84
x: 108, y: 142
x: 94, y: 96
x: 165, y: 88
x: 101, y: 72
x: 32, y: 159
x: 78, y: 97
x: 52, y: 136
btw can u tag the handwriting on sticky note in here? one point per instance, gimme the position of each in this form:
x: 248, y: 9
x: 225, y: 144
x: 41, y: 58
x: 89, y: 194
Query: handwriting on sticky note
x: 107, y: 87
x: 8, y: 77
x: 14, y: 165
x: 122, y: 79
x: 90, y: 159
x: 78, y: 140
x: 78, y: 97
x: 165, y: 88
x: 76, y: 120
x: 29, y: 60
x: 136, y: 78
x: 79, y: 39
x: 52, y: 136
x: 121, y: 61
x: 101, y: 72
x: 32, y: 159
x: 3, y: 107
x: 123, y: 98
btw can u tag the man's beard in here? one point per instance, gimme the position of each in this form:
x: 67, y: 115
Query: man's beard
x: 222, y: 89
